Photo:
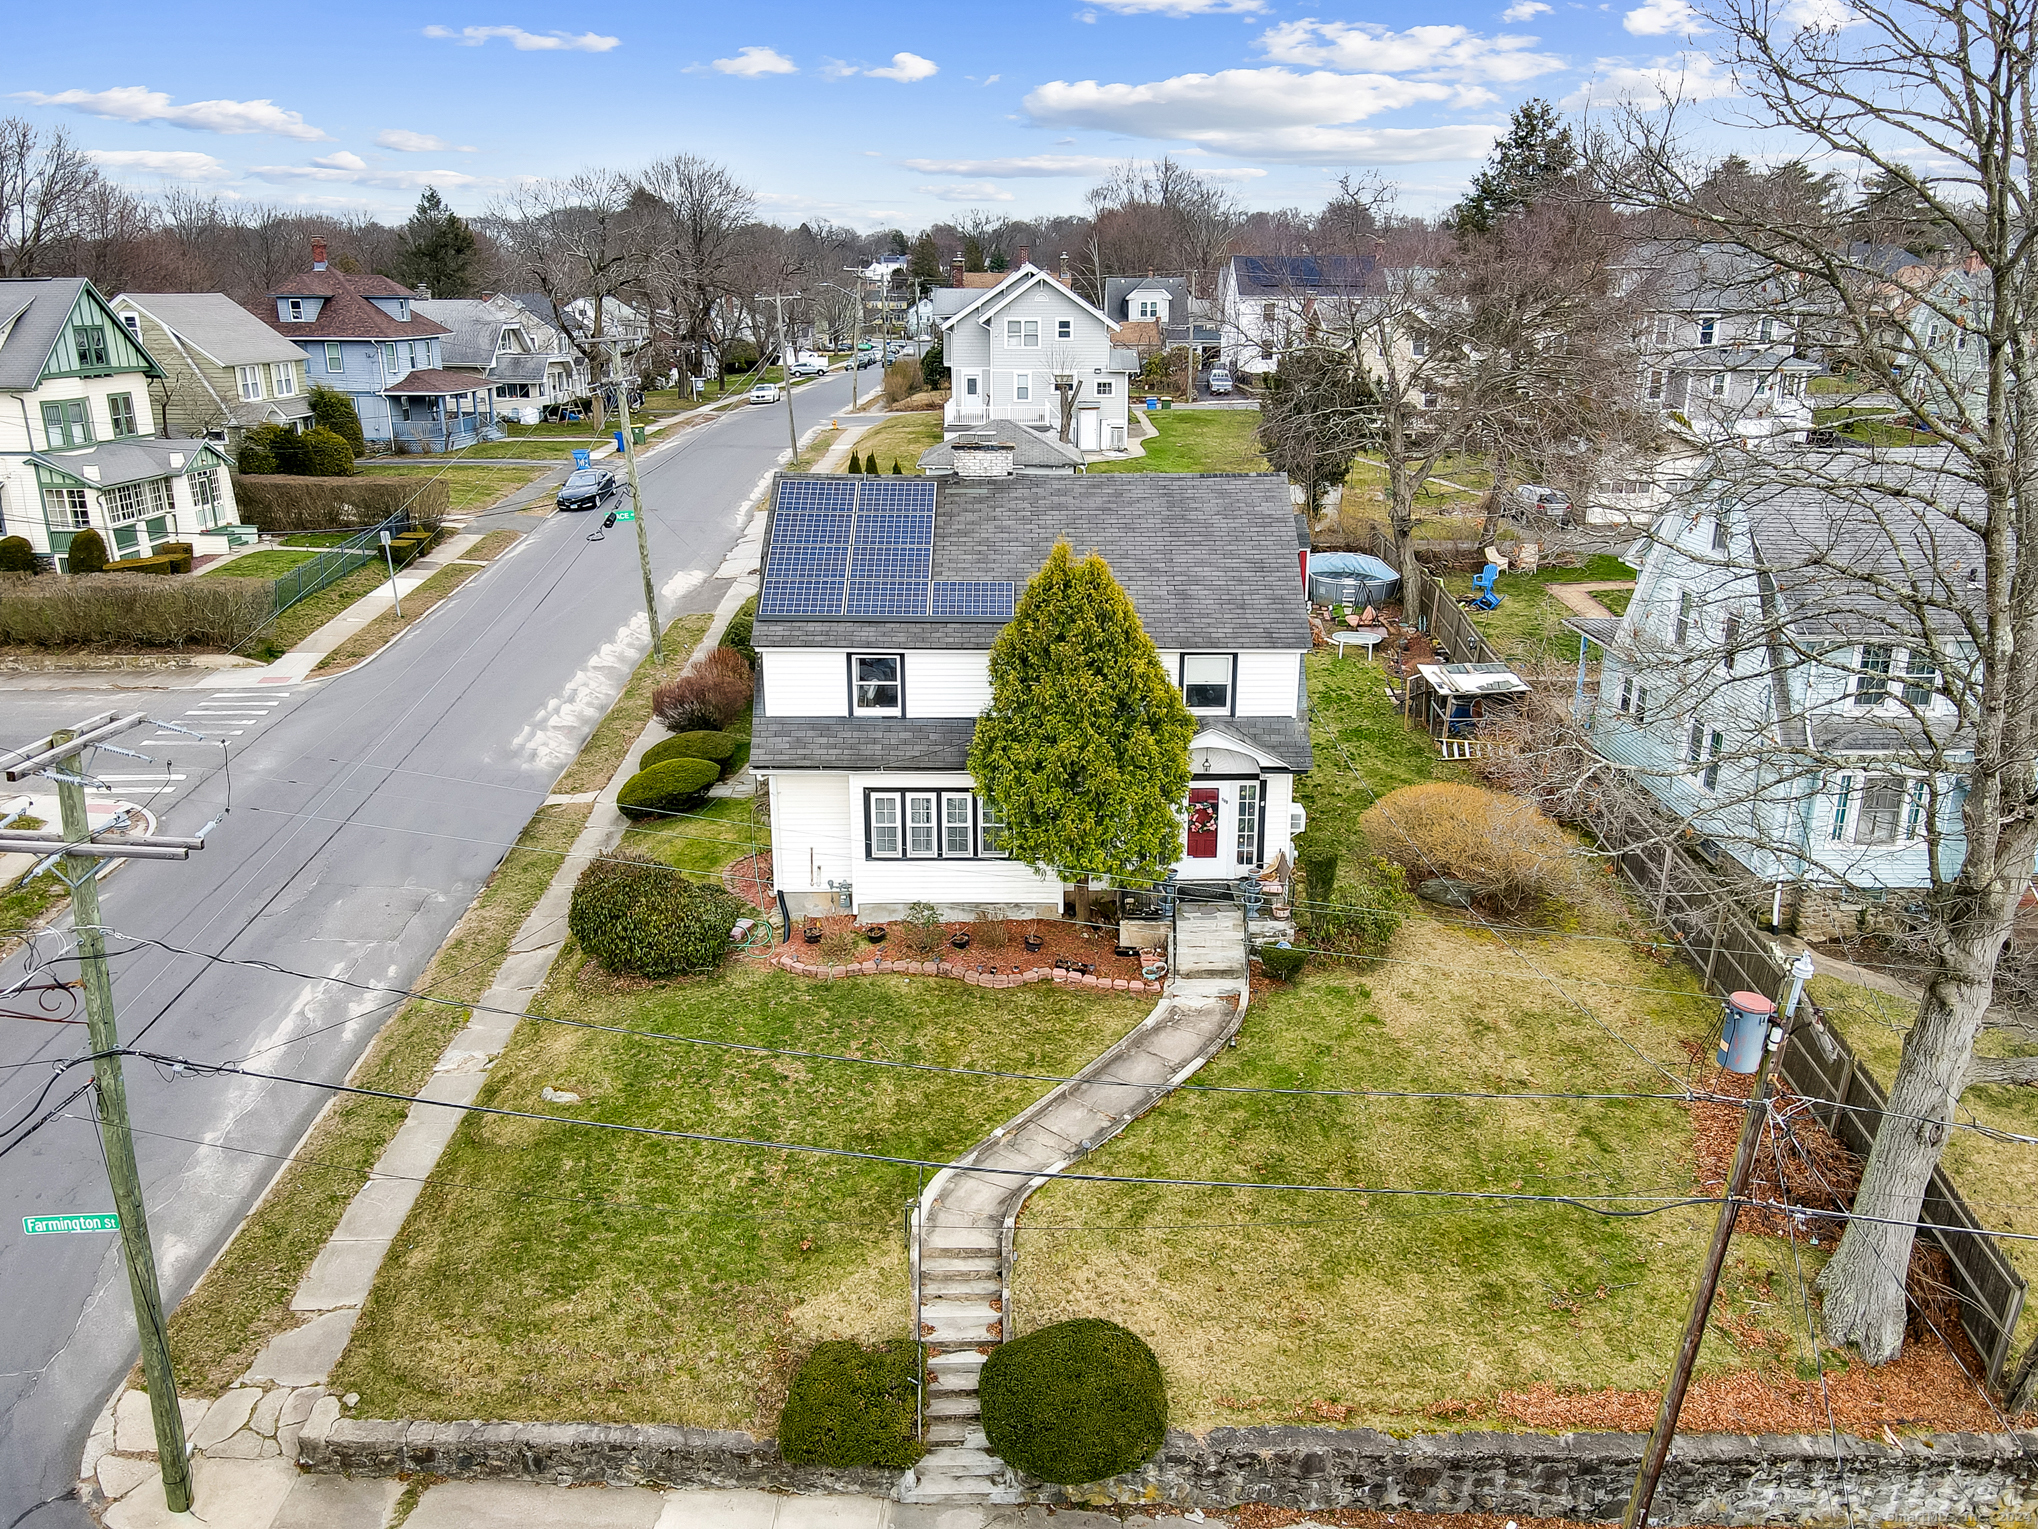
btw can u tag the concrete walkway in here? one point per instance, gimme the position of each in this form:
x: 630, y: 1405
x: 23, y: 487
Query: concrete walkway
x: 255, y: 1424
x: 1578, y: 597
x: 967, y: 1217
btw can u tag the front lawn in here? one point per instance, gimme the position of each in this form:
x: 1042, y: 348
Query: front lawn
x: 901, y: 438
x: 1197, y: 441
x: 583, y: 1275
x: 468, y: 488
x: 266, y: 564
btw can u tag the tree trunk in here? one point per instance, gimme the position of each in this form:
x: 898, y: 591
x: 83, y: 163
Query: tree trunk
x: 1082, y: 899
x: 1864, y: 1284
x: 1401, y: 515
x: 1490, y: 527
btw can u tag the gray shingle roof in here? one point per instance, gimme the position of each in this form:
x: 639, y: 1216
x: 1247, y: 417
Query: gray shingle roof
x: 942, y: 743
x: 1286, y: 738
x: 1208, y: 558
x: 48, y: 304
x: 129, y: 461
x: 1035, y: 449
x: 215, y: 324
x: 472, y: 328
x: 1118, y: 288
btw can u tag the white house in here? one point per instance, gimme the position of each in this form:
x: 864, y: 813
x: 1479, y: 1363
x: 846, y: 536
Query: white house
x: 1265, y: 303
x: 78, y: 446
x: 529, y: 365
x: 870, y: 686
x: 1010, y: 348
x: 1811, y: 732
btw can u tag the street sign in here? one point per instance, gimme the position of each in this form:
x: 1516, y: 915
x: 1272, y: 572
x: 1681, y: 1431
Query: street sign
x: 626, y: 514
x: 96, y: 1221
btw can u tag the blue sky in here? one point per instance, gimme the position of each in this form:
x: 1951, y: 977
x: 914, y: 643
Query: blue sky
x: 871, y: 115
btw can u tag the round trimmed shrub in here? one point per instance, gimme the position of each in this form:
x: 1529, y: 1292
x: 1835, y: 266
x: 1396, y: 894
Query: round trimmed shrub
x: 1076, y: 1402
x: 675, y: 786
x: 324, y: 453
x: 1282, y: 963
x: 88, y: 553
x: 719, y: 748
x: 17, y: 555
x: 1502, y: 845
x: 639, y: 916
x: 851, y: 1406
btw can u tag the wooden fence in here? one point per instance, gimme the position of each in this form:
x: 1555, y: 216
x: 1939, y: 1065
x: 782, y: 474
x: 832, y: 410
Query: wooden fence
x: 1698, y: 908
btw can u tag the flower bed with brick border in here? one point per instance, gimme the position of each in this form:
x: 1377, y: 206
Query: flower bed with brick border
x: 788, y: 958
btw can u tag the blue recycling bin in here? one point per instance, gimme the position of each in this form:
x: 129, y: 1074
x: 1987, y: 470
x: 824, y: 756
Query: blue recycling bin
x: 582, y: 458
x: 1744, y: 1028
x: 621, y: 444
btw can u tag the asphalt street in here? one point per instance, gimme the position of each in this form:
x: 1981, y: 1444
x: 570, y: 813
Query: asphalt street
x: 366, y: 811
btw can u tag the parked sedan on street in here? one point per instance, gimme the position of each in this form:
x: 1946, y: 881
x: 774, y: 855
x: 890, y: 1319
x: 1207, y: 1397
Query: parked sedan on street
x: 586, y: 489
x: 766, y: 392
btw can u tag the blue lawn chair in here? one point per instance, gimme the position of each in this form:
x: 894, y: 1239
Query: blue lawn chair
x: 1483, y: 597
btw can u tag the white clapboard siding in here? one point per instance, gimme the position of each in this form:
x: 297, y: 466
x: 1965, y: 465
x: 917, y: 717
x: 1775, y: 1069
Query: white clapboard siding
x: 810, y: 831
x: 947, y: 682
x: 805, y: 682
x: 1268, y: 684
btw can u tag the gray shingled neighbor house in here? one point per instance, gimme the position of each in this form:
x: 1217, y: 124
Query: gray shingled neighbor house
x: 225, y: 371
x: 881, y: 598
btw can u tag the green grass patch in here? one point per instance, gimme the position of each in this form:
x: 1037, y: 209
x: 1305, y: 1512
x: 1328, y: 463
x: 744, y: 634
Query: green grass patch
x: 633, y: 1278
x: 1197, y: 441
x: 1615, y: 600
x: 1353, y: 718
x: 267, y: 564
x: 23, y: 907
x: 320, y: 538
x: 1528, y: 628
x: 721, y: 830
x: 468, y: 488
x: 313, y: 612
x: 546, y: 449
x: 901, y: 438
x: 492, y: 546
x: 244, y: 1299
x: 609, y: 744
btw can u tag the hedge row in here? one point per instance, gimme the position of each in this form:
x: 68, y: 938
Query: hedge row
x: 281, y: 505
x: 851, y: 1406
x: 171, y: 557
x: 132, y: 609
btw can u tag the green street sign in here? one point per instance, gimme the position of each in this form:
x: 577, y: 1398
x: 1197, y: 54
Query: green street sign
x: 626, y: 515
x: 100, y: 1221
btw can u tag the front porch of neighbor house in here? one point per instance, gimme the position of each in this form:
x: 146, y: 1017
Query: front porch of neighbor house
x: 437, y: 411
x: 137, y: 494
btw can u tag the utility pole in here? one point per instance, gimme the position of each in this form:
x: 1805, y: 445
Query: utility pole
x: 1658, y: 1450
x: 627, y: 439
x: 785, y: 368
x: 77, y: 858
x: 856, y: 344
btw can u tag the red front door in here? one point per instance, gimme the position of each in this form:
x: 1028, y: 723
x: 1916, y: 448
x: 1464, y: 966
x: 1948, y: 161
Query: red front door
x: 1203, y: 823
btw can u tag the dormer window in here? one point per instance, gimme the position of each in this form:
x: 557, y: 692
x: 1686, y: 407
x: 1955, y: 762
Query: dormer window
x: 296, y: 314
x: 1207, y: 683
x: 1149, y: 309
x: 875, y: 688
x: 403, y: 310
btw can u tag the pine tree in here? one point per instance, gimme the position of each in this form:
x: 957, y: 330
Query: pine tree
x: 1085, y: 746
x: 972, y: 255
x: 924, y: 265
x: 1535, y: 156
x: 438, y: 249
x: 897, y: 471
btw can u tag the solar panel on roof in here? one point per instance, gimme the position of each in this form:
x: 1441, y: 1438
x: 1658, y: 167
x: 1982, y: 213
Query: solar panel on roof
x: 886, y: 597
x: 850, y: 547
x: 972, y: 599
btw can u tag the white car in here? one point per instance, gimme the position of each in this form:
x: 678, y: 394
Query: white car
x: 1220, y: 380
x: 809, y: 368
x: 766, y: 392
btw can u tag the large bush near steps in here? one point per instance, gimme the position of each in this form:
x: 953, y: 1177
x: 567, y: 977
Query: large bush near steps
x: 17, y: 555
x: 1509, y: 852
x: 674, y: 786
x: 709, y: 696
x: 87, y: 552
x: 718, y: 748
x: 851, y: 1406
x: 639, y: 916
x: 1079, y: 1401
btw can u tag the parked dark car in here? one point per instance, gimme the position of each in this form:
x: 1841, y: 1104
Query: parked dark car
x: 586, y: 489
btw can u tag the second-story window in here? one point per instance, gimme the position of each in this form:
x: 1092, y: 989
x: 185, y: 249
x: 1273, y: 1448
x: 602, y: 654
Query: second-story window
x: 66, y: 423
x: 1766, y: 330
x: 283, y: 379
x: 335, y: 362
x: 1719, y: 533
x: 389, y: 358
x: 1024, y: 333
x: 1871, y: 678
x: 1268, y: 312
x: 1104, y: 390
x: 1206, y: 682
x: 1656, y: 379
x: 1714, y: 743
x: 89, y: 340
x: 1717, y: 384
x: 1064, y: 329
x: 251, y: 383
x: 1921, y: 677
x: 1694, y: 743
x: 121, y: 408
x: 1681, y: 629
x: 1666, y: 329
x: 875, y: 684
x: 1708, y: 330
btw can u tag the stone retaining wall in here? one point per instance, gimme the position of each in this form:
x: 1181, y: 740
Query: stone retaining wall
x: 1712, y: 1479
x: 792, y: 963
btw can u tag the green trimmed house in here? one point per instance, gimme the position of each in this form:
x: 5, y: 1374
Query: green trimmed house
x: 78, y: 441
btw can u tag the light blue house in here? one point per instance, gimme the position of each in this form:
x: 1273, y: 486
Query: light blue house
x: 1793, y: 680
x: 362, y: 336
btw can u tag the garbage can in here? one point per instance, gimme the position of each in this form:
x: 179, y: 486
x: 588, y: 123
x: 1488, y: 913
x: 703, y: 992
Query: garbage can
x: 636, y: 435
x: 1744, y: 1030
x: 1167, y: 403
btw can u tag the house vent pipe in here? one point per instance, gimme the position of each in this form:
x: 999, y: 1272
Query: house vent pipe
x: 975, y: 459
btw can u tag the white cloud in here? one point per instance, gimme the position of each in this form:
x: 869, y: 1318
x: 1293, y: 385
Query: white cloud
x: 1030, y: 165
x: 1525, y: 10
x: 906, y: 68
x: 341, y: 161
x: 528, y: 42
x: 177, y: 164
x: 1660, y: 18
x: 406, y: 142
x: 992, y: 79
x: 385, y: 180
x: 836, y: 69
x: 966, y: 191
x: 1236, y: 173
x: 137, y: 103
x: 1179, y: 7
x: 752, y: 62
x: 1686, y: 77
x: 1204, y: 108
x: 1429, y: 52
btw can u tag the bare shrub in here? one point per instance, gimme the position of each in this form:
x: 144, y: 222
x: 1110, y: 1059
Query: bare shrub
x: 131, y: 609
x: 902, y: 381
x: 282, y: 504
x: 708, y: 696
x: 1501, y: 845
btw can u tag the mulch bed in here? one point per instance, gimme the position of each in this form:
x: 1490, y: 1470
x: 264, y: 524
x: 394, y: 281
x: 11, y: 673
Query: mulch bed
x: 995, y: 945
x: 750, y: 879
x: 1816, y: 1171
x: 1259, y: 1515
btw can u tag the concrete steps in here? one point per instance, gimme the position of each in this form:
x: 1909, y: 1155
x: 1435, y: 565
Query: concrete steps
x: 1210, y: 940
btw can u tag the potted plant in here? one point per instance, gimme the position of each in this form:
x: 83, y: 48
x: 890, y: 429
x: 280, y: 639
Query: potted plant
x: 875, y: 933
x: 1034, y: 942
x: 961, y: 940
x: 811, y: 934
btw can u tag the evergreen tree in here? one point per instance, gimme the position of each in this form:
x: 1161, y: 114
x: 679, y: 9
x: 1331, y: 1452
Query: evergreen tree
x: 1893, y: 211
x: 1536, y: 155
x: 897, y: 471
x: 334, y: 411
x: 924, y: 264
x: 87, y: 553
x: 1085, y: 746
x: 438, y: 249
x: 895, y: 241
x: 972, y: 255
x: 933, y: 370
x: 1316, y: 414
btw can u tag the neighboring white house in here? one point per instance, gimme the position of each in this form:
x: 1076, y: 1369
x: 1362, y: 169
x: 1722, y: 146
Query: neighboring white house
x: 1010, y: 347
x: 1266, y: 303
x: 531, y: 366
x: 1760, y: 691
x: 870, y: 686
x: 225, y: 371
x: 78, y: 447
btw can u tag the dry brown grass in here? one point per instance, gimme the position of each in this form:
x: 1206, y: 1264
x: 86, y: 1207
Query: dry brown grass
x: 1510, y: 852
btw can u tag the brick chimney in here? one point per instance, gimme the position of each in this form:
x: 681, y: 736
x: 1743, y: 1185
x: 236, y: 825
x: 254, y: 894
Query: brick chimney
x: 318, y: 254
x: 1025, y: 254
x: 956, y: 270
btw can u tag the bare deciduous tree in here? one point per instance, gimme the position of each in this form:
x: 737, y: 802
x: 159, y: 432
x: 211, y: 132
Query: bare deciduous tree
x: 703, y: 212
x: 46, y: 184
